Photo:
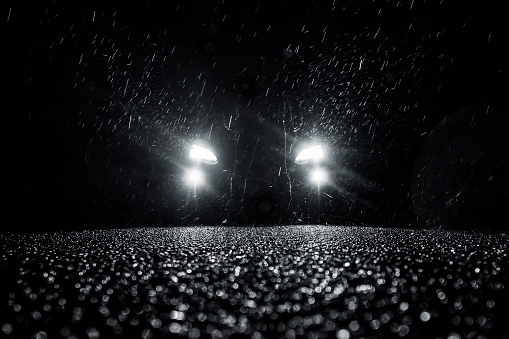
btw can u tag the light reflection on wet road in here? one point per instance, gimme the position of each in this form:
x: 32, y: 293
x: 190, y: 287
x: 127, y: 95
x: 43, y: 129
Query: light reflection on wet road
x: 219, y: 282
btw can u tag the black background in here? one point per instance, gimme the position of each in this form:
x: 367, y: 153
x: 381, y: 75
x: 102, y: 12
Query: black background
x: 101, y: 105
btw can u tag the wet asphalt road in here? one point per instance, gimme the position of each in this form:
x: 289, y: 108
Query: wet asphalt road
x: 255, y: 282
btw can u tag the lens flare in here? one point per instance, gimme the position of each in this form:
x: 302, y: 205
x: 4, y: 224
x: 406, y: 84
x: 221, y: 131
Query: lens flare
x: 194, y: 177
x: 318, y: 176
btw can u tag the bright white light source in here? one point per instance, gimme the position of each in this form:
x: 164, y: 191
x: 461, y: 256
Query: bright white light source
x: 203, y: 154
x: 318, y: 176
x: 194, y: 177
x: 310, y: 153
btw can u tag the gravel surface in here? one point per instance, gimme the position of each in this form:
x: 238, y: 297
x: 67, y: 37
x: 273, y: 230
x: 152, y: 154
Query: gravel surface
x: 256, y: 282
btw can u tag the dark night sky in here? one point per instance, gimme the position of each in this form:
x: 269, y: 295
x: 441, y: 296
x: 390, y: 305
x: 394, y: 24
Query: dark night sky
x: 102, y: 104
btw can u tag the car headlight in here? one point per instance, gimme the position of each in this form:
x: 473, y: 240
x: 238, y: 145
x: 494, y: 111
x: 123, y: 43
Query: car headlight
x: 202, y: 154
x: 194, y: 176
x: 315, y: 153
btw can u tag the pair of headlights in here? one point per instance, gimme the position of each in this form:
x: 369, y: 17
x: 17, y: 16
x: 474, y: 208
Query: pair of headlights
x: 195, y: 177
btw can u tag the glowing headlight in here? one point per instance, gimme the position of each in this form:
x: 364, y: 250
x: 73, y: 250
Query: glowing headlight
x: 311, y: 153
x: 318, y: 176
x: 194, y: 177
x: 202, y: 154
